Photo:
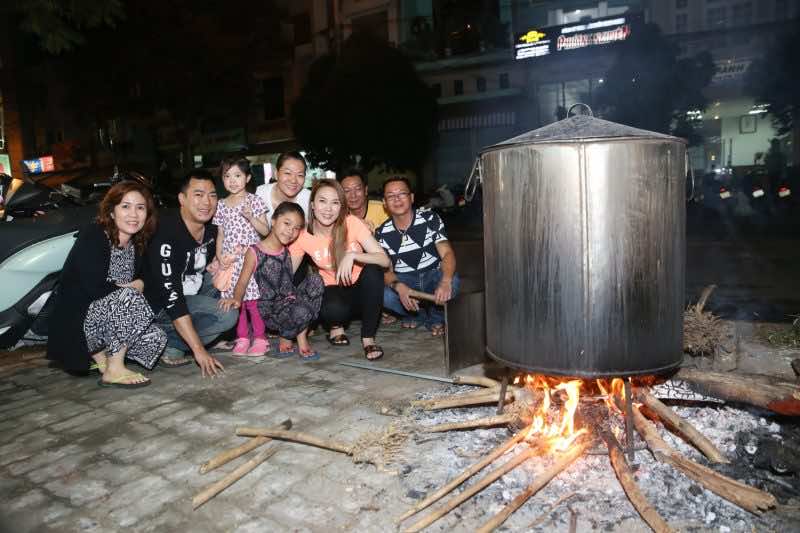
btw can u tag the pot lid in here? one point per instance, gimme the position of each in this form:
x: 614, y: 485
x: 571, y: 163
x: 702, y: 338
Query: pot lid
x: 580, y: 128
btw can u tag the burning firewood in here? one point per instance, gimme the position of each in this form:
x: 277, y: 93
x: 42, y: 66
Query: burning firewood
x: 746, y: 497
x: 489, y: 421
x: 542, y: 479
x: 461, y: 478
x: 782, y: 397
x: 629, y: 485
x: 682, y: 427
x: 472, y: 490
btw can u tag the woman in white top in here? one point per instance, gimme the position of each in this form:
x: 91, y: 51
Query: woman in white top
x: 291, y: 177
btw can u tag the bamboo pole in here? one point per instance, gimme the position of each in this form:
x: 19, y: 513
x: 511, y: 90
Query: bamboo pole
x: 481, y: 381
x: 217, y: 487
x: 472, y: 490
x: 683, y: 427
x: 295, y: 436
x: 746, y: 497
x: 482, y: 393
x: 562, y: 462
x: 465, y: 475
x: 229, y: 455
x: 488, y: 421
x: 628, y: 482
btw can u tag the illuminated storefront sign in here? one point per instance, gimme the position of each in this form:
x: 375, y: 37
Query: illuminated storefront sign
x: 37, y: 166
x: 545, y: 41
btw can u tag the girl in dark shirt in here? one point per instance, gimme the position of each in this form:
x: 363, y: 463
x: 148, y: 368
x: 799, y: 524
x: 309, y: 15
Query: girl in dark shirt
x: 101, y: 315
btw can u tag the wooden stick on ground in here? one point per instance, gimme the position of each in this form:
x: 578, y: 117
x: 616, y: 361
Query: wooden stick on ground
x: 684, y: 428
x: 455, y: 401
x: 295, y: 436
x: 628, y: 482
x: 542, y: 479
x: 472, y: 490
x: 746, y: 497
x: 480, y: 394
x: 229, y: 455
x: 481, y: 381
x: 217, y: 487
x: 779, y: 396
x: 465, y: 475
x: 489, y: 421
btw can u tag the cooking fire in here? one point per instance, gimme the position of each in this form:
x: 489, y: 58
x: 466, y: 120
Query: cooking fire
x: 556, y: 421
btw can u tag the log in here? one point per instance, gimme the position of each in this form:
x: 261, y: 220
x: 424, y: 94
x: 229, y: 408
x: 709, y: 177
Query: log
x: 631, y: 488
x: 489, y: 421
x: 542, y: 479
x: 481, y: 381
x: 472, y: 490
x: 465, y: 475
x: 479, y: 394
x: 687, y: 431
x: 779, y: 396
x: 457, y: 401
x: 295, y: 436
x: 229, y: 455
x: 217, y: 487
x: 749, y: 498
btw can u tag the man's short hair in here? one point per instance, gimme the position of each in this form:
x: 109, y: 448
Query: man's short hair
x: 354, y: 171
x: 195, y: 175
x: 396, y: 178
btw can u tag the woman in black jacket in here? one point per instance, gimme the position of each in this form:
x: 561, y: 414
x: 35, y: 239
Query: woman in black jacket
x: 100, y: 312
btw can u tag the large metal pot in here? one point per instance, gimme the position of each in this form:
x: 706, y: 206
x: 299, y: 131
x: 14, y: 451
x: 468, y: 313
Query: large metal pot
x: 584, y: 236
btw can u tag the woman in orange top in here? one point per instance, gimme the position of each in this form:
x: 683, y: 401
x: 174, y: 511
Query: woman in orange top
x: 351, y: 263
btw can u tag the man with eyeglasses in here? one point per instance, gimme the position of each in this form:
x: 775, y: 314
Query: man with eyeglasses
x: 422, y: 259
x: 354, y: 184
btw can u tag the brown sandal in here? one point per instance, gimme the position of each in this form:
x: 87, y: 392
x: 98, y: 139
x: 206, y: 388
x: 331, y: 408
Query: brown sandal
x: 370, y: 350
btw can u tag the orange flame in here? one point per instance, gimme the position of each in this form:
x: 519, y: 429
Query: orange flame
x: 560, y: 432
x: 617, y: 388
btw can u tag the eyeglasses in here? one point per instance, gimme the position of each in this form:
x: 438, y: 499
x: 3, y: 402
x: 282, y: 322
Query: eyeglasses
x: 397, y: 196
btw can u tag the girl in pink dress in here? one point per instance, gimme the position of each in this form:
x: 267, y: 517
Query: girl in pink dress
x: 240, y: 218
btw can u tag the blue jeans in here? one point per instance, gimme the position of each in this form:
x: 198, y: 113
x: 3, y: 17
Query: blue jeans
x: 429, y: 313
x: 208, y: 319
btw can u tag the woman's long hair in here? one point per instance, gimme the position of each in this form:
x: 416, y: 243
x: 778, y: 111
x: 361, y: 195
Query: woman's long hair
x: 339, y: 231
x: 112, y: 199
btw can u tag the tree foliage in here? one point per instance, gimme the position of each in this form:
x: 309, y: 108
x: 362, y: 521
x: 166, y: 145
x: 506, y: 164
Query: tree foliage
x: 367, y: 101
x: 652, y: 88
x: 60, y: 25
x: 774, y: 80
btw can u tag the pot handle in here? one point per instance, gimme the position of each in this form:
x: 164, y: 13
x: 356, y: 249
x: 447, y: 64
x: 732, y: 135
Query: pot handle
x: 691, y: 176
x: 475, y: 178
x: 580, y: 104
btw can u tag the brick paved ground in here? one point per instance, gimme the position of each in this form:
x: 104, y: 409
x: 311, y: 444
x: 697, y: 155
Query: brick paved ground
x: 77, y: 457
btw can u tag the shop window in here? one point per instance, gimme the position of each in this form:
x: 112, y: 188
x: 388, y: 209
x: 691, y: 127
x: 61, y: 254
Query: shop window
x: 480, y: 83
x: 504, y: 81
x: 273, y: 98
x: 458, y: 87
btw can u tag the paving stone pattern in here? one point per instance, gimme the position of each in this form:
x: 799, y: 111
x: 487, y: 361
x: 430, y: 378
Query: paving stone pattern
x: 77, y: 457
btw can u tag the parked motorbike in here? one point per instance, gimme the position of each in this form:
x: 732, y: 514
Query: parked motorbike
x: 40, y: 226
